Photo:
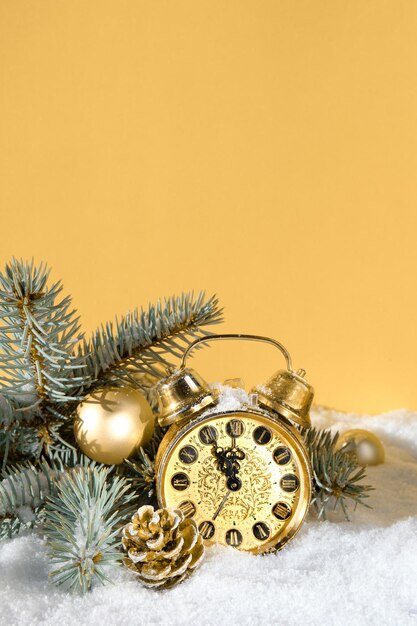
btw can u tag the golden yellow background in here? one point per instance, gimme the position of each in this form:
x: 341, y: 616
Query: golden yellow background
x: 263, y: 150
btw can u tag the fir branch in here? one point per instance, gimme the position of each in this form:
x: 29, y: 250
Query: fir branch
x: 7, y: 428
x: 141, y: 469
x: 336, y: 475
x: 83, y: 527
x: 19, y: 443
x: 138, y: 349
x: 24, y: 489
x: 39, y: 371
x: 13, y: 525
x: 26, y: 486
x: 18, y: 440
x: 6, y: 413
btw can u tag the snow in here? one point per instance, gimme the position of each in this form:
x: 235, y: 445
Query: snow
x: 334, y: 572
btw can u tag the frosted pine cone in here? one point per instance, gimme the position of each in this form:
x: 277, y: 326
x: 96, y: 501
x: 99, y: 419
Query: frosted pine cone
x: 162, y: 547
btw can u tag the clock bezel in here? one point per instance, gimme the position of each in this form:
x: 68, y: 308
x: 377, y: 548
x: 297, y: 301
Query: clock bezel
x: 177, y: 431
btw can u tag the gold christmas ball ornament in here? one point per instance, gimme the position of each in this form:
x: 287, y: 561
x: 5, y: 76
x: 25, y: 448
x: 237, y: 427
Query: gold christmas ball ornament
x: 365, y: 447
x: 111, y: 422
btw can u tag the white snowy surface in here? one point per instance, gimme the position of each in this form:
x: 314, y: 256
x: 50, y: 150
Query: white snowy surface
x: 334, y: 572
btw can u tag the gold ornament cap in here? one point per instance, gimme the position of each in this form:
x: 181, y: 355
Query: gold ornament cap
x: 288, y: 394
x: 183, y: 394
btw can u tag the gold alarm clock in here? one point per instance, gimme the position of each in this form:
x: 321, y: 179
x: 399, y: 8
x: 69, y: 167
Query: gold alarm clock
x: 243, y: 475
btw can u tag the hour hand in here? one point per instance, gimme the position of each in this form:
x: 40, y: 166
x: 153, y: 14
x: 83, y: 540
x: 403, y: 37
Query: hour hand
x: 239, y: 454
x: 228, y: 465
x: 223, y: 462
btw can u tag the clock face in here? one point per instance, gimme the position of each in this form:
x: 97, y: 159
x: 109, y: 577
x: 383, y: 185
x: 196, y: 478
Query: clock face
x: 242, y: 476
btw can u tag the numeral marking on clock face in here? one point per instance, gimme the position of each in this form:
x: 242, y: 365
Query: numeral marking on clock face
x: 289, y: 483
x: 208, y: 435
x: 188, y: 508
x: 180, y: 481
x: 261, y: 531
x: 235, y: 428
x: 206, y: 529
x: 188, y: 455
x: 282, y: 455
x: 281, y: 510
x: 262, y: 435
x: 234, y: 537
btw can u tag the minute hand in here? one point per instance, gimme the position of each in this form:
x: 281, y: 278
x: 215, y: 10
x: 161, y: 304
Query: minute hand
x: 222, y: 503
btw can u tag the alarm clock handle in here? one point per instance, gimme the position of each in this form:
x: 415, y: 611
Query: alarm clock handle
x: 238, y: 336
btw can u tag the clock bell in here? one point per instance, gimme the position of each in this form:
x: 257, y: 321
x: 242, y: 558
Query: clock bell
x: 185, y: 394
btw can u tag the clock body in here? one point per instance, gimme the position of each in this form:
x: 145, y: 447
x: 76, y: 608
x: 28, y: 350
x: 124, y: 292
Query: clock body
x: 274, y: 477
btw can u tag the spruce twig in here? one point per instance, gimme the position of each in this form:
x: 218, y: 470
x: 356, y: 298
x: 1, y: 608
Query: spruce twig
x: 24, y: 489
x: 141, y: 469
x: 336, y: 475
x: 39, y: 372
x: 83, y: 527
x: 139, y: 348
x: 26, y: 486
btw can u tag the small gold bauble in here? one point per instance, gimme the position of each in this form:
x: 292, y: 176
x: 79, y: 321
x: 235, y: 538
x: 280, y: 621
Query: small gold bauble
x: 365, y: 447
x: 111, y: 422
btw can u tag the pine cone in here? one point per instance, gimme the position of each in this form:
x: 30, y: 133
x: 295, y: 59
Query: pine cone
x: 162, y: 547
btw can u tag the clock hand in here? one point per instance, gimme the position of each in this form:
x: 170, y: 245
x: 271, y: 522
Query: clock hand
x: 223, y: 463
x: 230, y: 467
x: 234, y: 452
x: 234, y: 455
x: 227, y: 463
x: 222, y: 503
